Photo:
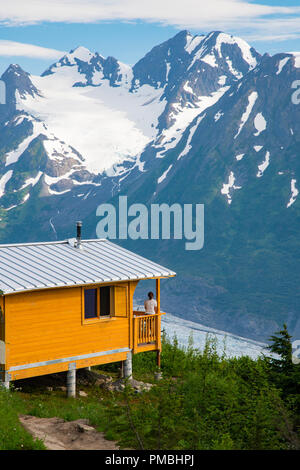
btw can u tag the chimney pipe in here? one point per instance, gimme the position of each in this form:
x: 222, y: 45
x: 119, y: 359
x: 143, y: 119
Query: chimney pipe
x: 78, y: 238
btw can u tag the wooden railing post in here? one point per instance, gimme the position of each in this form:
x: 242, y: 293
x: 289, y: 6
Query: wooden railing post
x: 158, y: 294
x: 158, y: 331
x: 135, y: 334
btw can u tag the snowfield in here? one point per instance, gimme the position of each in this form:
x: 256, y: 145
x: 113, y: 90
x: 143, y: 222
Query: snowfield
x: 294, y: 191
x: 264, y: 165
x: 105, y: 124
x: 108, y: 117
x: 251, y: 102
x: 227, y: 188
x: 182, y: 117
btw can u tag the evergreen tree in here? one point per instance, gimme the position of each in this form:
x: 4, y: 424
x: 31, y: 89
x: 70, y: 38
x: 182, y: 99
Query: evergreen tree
x: 284, y: 373
x: 282, y: 347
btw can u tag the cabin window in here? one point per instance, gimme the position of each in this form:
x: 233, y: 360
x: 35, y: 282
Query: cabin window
x: 90, y: 303
x: 104, y: 301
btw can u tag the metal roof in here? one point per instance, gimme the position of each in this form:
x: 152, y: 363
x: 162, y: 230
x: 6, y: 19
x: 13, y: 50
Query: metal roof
x: 31, y: 266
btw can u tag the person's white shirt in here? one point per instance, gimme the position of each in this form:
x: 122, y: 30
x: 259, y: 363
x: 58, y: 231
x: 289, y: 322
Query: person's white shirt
x: 150, y: 306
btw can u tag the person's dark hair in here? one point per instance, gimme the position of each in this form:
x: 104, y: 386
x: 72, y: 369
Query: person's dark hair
x: 150, y: 295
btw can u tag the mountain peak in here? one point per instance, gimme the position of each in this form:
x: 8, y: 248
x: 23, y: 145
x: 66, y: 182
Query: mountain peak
x: 16, y: 79
x: 80, y: 56
x: 14, y: 69
x: 81, y: 53
x: 227, y: 46
x: 183, y: 33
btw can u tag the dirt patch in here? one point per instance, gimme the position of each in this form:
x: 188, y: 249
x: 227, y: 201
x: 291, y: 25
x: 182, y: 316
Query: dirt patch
x: 58, y: 434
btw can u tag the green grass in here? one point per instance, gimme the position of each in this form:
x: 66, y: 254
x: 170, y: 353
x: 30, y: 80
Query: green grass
x: 203, y: 402
x: 12, y: 435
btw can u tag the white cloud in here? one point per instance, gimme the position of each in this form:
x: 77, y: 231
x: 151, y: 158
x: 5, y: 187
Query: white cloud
x: 18, y: 49
x: 277, y: 29
x: 256, y: 21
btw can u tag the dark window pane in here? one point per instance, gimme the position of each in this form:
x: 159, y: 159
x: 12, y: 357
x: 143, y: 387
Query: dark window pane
x: 90, y: 303
x: 104, y: 300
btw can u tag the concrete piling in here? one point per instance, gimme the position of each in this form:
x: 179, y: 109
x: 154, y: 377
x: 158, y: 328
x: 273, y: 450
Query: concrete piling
x: 71, y: 381
x: 5, y: 384
x: 5, y: 380
x: 128, y: 366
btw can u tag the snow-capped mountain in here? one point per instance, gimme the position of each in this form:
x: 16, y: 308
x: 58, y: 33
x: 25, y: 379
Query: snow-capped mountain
x: 199, y: 119
x: 109, y: 112
x: 252, y: 126
x: 93, y: 68
x: 194, y: 71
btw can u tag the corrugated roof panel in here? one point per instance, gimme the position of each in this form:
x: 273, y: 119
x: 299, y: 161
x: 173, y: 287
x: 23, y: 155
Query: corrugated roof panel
x: 31, y: 266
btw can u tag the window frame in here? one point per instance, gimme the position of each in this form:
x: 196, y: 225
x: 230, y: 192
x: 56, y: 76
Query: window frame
x: 99, y: 318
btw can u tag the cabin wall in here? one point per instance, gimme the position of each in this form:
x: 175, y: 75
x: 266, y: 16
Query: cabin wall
x: 47, y: 325
x: 2, y: 335
x: 1, y: 317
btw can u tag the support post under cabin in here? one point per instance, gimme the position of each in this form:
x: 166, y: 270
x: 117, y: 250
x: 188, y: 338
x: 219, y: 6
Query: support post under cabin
x: 5, y: 382
x: 128, y: 366
x: 71, y: 380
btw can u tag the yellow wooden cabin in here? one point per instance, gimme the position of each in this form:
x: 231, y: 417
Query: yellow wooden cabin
x: 68, y: 305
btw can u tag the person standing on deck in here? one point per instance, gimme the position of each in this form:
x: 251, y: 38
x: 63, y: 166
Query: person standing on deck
x: 150, y: 304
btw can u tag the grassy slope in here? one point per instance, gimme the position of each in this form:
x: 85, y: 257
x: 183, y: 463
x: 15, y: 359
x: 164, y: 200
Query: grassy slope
x: 204, y: 402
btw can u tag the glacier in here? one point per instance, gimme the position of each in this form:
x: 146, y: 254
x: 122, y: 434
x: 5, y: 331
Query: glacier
x: 230, y: 344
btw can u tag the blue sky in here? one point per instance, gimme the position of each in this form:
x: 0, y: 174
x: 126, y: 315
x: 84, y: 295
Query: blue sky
x: 36, y: 33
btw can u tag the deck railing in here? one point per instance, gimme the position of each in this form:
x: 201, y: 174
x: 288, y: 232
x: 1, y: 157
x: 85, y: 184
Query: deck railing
x: 147, y: 330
